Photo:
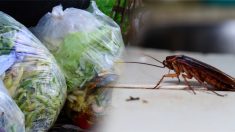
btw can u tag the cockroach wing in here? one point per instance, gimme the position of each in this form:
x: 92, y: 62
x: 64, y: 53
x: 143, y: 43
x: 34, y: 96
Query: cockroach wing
x: 210, y: 70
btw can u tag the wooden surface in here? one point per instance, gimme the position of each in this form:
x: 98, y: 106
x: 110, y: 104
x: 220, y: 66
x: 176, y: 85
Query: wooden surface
x: 170, y: 108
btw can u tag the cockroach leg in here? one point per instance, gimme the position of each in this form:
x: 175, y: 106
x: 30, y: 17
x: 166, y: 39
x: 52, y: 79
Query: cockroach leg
x: 178, y: 79
x: 186, y: 82
x: 206, y: 86
x: 166, y: 75
x: 177, y: 76
x: 222, y: 95
x: 177, y: 71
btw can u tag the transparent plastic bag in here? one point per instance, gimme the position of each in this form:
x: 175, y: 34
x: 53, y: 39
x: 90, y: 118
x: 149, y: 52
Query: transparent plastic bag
x: 11, y: 117
x: 34, y: 80
x: 85, y: 44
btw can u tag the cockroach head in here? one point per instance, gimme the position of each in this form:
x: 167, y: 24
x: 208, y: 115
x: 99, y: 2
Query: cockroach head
x: 168, y: 61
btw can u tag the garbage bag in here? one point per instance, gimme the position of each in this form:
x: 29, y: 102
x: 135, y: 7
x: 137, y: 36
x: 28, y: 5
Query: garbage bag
x: 33, y: 80
x: 82, y: 42
x: 86, y: 45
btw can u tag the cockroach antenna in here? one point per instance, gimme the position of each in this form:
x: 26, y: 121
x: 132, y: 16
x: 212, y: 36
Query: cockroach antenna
x: 146, y: 63
x: 141, y: 63
x: 153, y: 58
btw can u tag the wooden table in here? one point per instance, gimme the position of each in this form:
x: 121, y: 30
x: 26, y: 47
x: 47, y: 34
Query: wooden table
x: 170, y: 108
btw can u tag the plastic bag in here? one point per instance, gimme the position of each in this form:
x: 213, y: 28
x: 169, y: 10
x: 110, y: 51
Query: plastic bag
x: 11, y: 117
x: 33, y: 80
x: 85, y: 44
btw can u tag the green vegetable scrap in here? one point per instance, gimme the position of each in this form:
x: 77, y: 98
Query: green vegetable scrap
x: 83, y: 55
x: 6, y: 44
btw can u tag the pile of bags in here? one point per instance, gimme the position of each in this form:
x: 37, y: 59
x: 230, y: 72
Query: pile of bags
x: 73, y: 62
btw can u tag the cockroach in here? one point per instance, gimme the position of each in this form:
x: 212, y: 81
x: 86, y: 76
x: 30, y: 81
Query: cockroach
x: 189, y: 68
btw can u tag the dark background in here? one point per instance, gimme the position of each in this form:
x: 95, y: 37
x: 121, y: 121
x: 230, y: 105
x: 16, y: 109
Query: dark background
x: 206, y: 26
x: 204, y: 38
x: 28, y: 12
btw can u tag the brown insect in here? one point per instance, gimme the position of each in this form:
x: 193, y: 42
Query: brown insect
x: 191, y: 68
